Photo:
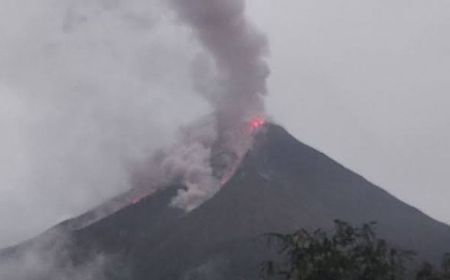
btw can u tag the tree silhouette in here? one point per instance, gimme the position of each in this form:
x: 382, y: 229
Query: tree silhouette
x: 350, y: 253
x: 429, y: 272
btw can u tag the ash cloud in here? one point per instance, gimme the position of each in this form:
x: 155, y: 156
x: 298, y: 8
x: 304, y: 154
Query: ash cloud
x: 49, y: 258
x: 238, y: 51
x: 191, y: 161
x: 231, y: 76
x: 89, y: 86
x: 86, y: 87
x: 187, y: 162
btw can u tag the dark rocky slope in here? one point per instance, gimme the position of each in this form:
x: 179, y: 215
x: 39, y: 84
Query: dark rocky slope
x: 281, y: 185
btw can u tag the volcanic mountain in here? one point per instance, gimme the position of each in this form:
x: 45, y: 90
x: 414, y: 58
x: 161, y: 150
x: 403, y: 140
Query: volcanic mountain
x: 281, y: 185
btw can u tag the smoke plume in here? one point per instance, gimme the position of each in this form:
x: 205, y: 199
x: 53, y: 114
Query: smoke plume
x: 231, y: 76
x: 238, y: 51
x: 111, y: 81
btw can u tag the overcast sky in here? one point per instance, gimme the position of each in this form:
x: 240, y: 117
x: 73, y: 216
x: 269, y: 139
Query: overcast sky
x: 88, y: 87
x: 367, y: 82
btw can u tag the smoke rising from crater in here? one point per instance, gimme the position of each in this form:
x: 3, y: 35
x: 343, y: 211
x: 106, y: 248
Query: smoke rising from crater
x: 231, y: 76
x: 238, y: 83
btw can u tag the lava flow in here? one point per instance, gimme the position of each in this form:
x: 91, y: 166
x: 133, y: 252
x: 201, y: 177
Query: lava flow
x: 252, y: 127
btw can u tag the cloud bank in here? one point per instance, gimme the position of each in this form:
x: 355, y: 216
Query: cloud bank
x: 86, y: 89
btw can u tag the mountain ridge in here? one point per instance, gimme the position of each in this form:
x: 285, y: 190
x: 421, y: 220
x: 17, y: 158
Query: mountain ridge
x: 281, y: 185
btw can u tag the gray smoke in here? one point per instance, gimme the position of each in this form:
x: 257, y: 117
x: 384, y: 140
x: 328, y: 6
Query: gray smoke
x: 191, y: 161
x: 237, y: 50
x: 231, y: 76
x: 48, y: 258
x: 86, y: 87
x: 101, y: 82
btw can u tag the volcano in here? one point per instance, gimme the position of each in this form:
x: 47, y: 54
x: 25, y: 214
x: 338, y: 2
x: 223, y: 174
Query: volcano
x: 281, y: 185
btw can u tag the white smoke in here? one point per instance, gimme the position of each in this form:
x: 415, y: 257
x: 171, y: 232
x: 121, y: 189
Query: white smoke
x: 198, y: 179
x: 89, y: 85
x: 86, y: 86
x: 231, y: 75
x: 49, y: 258
x: 186, y: 162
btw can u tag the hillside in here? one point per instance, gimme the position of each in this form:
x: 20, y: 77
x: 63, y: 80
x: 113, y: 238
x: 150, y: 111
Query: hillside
x: 281, y: 185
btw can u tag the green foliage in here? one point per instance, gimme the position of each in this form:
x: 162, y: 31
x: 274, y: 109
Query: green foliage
x: 349, y: 254
x: 429, y: 272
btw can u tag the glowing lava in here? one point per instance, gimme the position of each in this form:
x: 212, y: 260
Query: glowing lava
x: 251, y: 127
x: 256, y: 124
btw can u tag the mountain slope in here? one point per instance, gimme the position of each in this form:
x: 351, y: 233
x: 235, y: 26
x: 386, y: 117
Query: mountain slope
x: 281, y: 185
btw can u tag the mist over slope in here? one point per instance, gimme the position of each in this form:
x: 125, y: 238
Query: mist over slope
x: 281, y: 185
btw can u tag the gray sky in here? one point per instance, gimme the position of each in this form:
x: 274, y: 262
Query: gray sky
x: 88, y: 86
x: 367, y: 83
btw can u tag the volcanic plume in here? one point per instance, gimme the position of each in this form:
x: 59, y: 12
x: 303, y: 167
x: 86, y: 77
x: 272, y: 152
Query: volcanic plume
x: 237, y: 50
x: 231, y: 75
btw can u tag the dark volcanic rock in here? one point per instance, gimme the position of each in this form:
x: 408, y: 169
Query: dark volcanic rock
x: 281, y: 185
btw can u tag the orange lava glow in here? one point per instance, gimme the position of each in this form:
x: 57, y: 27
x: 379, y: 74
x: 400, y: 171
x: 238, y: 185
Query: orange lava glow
x: 256, y: 124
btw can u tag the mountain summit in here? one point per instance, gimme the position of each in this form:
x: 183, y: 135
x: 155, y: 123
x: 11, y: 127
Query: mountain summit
x: 281, y: 185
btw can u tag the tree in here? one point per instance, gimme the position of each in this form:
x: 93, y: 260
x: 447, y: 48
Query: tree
x: 349, y: 253
x: 429, y: 272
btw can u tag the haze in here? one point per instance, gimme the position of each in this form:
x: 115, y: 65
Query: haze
x: 88, y: 88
